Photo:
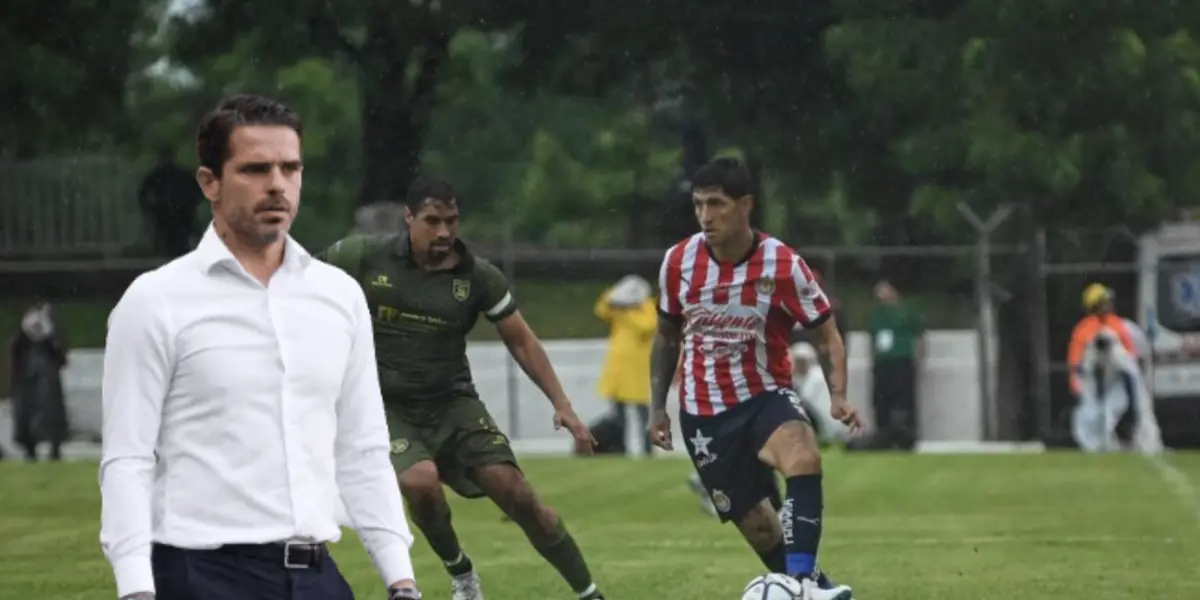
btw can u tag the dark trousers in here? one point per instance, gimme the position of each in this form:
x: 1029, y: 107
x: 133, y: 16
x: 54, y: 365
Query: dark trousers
x: 223, y: 574
x: 643, y: 422
x: 894, y: 398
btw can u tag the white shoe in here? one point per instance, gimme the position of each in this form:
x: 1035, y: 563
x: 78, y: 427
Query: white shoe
x: 809, y: 590
x: 466, y: 586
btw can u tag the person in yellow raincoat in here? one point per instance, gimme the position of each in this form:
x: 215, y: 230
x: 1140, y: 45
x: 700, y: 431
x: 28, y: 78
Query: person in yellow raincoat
x: 629, y: 309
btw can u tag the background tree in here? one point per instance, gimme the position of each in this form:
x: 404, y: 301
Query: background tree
x: 398, y: 51
x: 1085, y: 111
x: 62, y: 79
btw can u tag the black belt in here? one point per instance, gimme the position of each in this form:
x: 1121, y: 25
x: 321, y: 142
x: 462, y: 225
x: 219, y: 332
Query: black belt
x: 292, y: 555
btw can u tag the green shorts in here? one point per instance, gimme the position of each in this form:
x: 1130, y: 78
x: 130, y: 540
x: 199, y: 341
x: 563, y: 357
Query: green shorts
x: 458, y: 435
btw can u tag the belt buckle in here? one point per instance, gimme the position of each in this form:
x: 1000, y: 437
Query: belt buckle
x: 287, y: 556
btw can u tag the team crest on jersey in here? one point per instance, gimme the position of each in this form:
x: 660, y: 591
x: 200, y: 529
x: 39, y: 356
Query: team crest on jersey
x: 461, y: 288
x: 766, y: 286
x: 399, y: 446
x: 720, y: 501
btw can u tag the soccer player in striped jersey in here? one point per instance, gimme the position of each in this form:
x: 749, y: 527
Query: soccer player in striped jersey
x: 730, y: 297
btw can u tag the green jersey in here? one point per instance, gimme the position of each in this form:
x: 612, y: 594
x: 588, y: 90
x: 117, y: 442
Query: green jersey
x: 895, y: 331
x: 421, y: 318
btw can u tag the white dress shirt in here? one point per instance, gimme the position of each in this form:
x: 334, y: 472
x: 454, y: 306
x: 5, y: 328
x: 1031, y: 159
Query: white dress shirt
x: 235, y: 413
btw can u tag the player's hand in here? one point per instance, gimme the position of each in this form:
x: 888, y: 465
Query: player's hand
x: 660, y: 428
x: 566, y: 417
x: 842, y: 410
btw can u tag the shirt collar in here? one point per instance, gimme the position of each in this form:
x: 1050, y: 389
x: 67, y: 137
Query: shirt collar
x: 212, y: 251
x: 757, y: 238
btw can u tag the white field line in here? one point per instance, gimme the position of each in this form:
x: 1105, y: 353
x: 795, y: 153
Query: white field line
x: 1179, y: 482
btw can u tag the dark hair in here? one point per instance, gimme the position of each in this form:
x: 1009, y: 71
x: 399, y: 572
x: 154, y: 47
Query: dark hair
x: 424, y: 188
x: 727, y: 174
x: 212, y: 138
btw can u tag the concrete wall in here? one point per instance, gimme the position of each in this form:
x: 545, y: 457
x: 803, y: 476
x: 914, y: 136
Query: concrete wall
x: 948, y: 387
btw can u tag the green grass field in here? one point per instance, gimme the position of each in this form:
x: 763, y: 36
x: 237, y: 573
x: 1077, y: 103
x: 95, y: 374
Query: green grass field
x: 1062, y: 526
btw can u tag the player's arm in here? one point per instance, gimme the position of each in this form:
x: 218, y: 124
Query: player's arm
x: 664, y: 358
x: 808, y: 304
x: 668, y: 336
x: 525, y: 347
x: 137, y: 374
x: 500, y: 308
x: 832, y: 349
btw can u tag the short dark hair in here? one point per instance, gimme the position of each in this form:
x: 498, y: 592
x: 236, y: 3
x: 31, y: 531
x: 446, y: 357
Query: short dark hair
x: 212, y: 138
x: 727, y: 174
x: 423, y: 188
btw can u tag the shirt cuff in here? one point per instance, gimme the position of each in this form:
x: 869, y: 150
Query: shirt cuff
x: 394, y: 563
x: 133, y: 574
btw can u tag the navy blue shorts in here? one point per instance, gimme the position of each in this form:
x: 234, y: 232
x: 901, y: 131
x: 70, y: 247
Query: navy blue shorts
x: 724, y: 448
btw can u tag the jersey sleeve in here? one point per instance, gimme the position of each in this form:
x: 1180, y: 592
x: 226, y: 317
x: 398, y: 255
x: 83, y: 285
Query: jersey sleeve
x: 670, y: 279
x: 496, y: 301
x: 345, y: 254
x: 802, y: 296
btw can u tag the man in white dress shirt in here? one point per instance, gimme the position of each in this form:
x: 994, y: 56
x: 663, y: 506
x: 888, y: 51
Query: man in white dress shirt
x: 241, y: 398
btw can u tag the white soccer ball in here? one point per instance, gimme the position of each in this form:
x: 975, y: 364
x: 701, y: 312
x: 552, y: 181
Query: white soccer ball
x: 772, y: 586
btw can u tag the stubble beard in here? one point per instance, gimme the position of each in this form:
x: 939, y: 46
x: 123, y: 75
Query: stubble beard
x: 250, y: 230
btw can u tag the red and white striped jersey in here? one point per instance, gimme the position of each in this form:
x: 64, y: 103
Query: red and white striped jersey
x: 736, y: 319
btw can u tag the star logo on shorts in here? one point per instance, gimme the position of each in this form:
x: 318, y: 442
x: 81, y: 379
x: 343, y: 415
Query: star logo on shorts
x: 700, y: 443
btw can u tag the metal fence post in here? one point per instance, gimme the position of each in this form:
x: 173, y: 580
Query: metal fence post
x: 513, y: 372
x: 1041, y: 338
x: 986, y: 321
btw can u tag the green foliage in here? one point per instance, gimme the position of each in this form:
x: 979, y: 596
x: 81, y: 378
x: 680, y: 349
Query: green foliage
x: 63, y: 71
x: 560, y: 118
x: 1073, y: 107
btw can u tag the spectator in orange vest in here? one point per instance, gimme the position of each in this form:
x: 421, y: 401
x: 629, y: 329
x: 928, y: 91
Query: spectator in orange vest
x: 1098, y: 303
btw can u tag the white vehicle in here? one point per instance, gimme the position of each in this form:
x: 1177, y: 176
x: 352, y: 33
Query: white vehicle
x: 1169, y: 301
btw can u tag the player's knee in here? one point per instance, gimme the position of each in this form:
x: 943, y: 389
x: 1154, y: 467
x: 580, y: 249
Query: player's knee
x: 422, y: 486
x: 797, y: 459
x: 792, y: 450
x: 513, y: 494
x: 800, y: 460
x: 517, y: 496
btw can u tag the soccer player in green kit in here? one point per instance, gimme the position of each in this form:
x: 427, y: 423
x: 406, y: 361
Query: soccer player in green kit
x: 426, y: 291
